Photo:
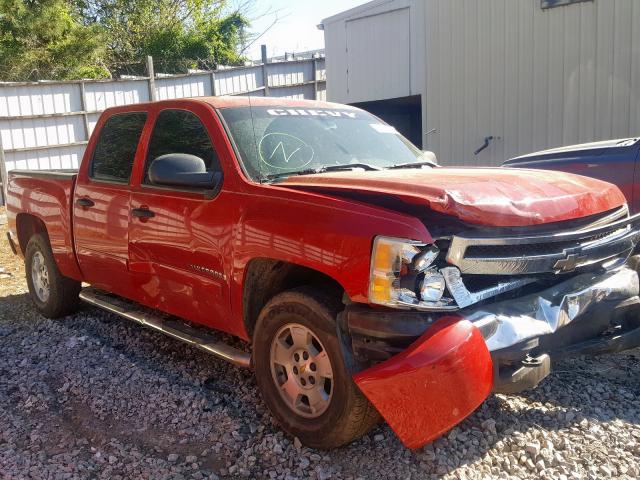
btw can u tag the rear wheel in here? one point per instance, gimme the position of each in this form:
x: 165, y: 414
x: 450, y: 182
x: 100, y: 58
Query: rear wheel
x: 301, y: 373
x: 53, y: 294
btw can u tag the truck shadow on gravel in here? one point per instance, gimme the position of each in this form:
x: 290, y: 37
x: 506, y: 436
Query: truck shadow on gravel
x: 117, y: 393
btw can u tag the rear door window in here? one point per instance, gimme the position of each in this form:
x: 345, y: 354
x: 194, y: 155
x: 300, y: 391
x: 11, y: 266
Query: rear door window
x: 181, y: 131
x: 116, y: 147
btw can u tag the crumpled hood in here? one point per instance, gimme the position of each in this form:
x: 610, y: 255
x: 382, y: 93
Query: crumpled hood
x: 497, y: 197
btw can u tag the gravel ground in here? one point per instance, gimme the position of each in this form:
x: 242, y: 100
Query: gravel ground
x: 92, y: 395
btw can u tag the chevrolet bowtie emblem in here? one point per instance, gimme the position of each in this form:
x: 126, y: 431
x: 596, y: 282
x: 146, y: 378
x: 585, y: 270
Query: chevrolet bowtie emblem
x: 570, y: 262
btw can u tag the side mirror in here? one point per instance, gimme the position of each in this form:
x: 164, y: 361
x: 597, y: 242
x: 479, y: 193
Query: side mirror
x: 181, y: 170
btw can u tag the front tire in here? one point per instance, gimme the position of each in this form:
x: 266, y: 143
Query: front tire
x: 53, y: 294
x: 301, y: 373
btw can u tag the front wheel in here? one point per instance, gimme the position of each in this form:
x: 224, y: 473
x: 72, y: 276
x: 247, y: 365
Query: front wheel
x: 301, y: 372
x: 53, y: 294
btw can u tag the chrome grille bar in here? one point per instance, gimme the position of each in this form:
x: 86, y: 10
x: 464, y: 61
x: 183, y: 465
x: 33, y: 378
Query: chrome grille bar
x: 561, y: 252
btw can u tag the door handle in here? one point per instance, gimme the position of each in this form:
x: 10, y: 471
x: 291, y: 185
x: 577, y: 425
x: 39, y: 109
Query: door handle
x: 142, y: 213
x: 85, y: 202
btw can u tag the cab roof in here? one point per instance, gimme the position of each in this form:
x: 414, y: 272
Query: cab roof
x: 243, y: 101
x: 222, y: 102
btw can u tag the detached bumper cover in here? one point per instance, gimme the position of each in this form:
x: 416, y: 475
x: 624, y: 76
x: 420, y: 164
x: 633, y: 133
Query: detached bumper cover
x: 508, y: 323
x: 434, y: 384
x: 454, y: 362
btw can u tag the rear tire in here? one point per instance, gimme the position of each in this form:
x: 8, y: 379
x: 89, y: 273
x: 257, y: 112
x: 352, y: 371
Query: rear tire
x: 53, y: 294
x: 335, y: 411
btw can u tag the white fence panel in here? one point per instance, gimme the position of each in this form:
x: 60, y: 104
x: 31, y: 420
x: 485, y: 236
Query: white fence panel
x: 41, y: 132
x: 289, y: 73
x: 51, y: 158
x: 300, y: 92
x: 236, y: 81
x: 322, y: 93
x: 197, y: 85
x: 103, y: 95
x: 40, y: 99
x: 321, y: 70
x: 46, y: 125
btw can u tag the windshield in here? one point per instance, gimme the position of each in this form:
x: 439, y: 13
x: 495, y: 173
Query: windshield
x: 277, y: 142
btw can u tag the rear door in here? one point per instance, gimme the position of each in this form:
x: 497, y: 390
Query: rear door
x: 102, y: 199
x: 177, y: 235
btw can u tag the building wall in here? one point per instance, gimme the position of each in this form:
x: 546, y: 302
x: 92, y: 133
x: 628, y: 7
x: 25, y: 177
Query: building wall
x: 532, y: 78
x: 376, y: 51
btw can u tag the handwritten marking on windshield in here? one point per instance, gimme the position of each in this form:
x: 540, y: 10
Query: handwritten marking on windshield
x: 284, y: 151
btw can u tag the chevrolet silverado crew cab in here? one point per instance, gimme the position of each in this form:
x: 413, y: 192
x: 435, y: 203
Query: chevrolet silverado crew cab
x: 367, y: 280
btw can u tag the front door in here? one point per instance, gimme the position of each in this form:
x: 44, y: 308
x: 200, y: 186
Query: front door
x: 176, y: 235
x: 101, y: 203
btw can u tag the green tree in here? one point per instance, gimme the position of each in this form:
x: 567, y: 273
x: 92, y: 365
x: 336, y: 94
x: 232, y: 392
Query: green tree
x: 69, y: 39
x: 43, y: 39
x: 179, y: 34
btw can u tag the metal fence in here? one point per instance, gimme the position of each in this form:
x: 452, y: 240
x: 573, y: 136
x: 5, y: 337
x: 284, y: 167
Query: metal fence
x: 46, y: 125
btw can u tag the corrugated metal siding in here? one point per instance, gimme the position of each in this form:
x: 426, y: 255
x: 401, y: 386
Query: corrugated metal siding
x: 25, y: 133
x: 387, y: 34
x: 534, y: 78
x: 371, y: 51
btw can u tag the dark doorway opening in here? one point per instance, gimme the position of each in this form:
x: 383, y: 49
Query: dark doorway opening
x: 404, y: 113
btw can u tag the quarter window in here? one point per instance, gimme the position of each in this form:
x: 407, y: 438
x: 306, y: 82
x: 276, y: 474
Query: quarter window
x: 116, y: 147
x: 181, y: 131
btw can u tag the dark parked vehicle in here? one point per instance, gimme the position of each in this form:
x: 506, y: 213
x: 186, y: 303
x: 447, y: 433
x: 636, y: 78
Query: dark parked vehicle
x: 612, y: 160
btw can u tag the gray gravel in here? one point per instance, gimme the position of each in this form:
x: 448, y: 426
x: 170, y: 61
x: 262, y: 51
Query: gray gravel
x: 92, y: 395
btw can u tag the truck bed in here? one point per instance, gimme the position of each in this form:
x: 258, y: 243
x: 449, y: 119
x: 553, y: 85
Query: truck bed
x: 44, y: 197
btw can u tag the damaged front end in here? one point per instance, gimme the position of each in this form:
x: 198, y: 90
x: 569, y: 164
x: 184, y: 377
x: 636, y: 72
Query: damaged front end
x: 506, y: 302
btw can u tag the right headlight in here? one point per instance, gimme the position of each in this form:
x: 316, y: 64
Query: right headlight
x: 403, y: 275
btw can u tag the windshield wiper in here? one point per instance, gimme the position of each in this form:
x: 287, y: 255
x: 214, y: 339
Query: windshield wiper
x: 274, y: 176
x: 349, y: 166
x: 411, y: 165
x: 326, y: 168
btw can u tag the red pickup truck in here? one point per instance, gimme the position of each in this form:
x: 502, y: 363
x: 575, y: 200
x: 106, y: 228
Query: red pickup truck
x: 367, y: 280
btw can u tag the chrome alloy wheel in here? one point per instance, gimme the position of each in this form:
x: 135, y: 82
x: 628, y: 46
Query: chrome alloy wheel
x: 301, y: 369
x: 40, y: 277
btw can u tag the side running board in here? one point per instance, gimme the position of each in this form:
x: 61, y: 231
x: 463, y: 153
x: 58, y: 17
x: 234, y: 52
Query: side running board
x: 198, y: 337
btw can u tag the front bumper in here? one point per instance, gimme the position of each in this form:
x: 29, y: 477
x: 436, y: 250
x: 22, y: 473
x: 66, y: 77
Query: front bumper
x: 425, y: 372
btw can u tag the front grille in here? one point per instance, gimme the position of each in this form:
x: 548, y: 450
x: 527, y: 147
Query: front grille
x: 560, y: 252
x: 530, y: 249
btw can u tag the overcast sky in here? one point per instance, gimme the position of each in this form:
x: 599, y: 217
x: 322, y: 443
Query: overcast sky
x: 296, y: 29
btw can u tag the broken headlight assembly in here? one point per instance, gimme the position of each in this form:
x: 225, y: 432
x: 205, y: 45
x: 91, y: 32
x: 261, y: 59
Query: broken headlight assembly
x: 410, y: 274
x: 404, y: 275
